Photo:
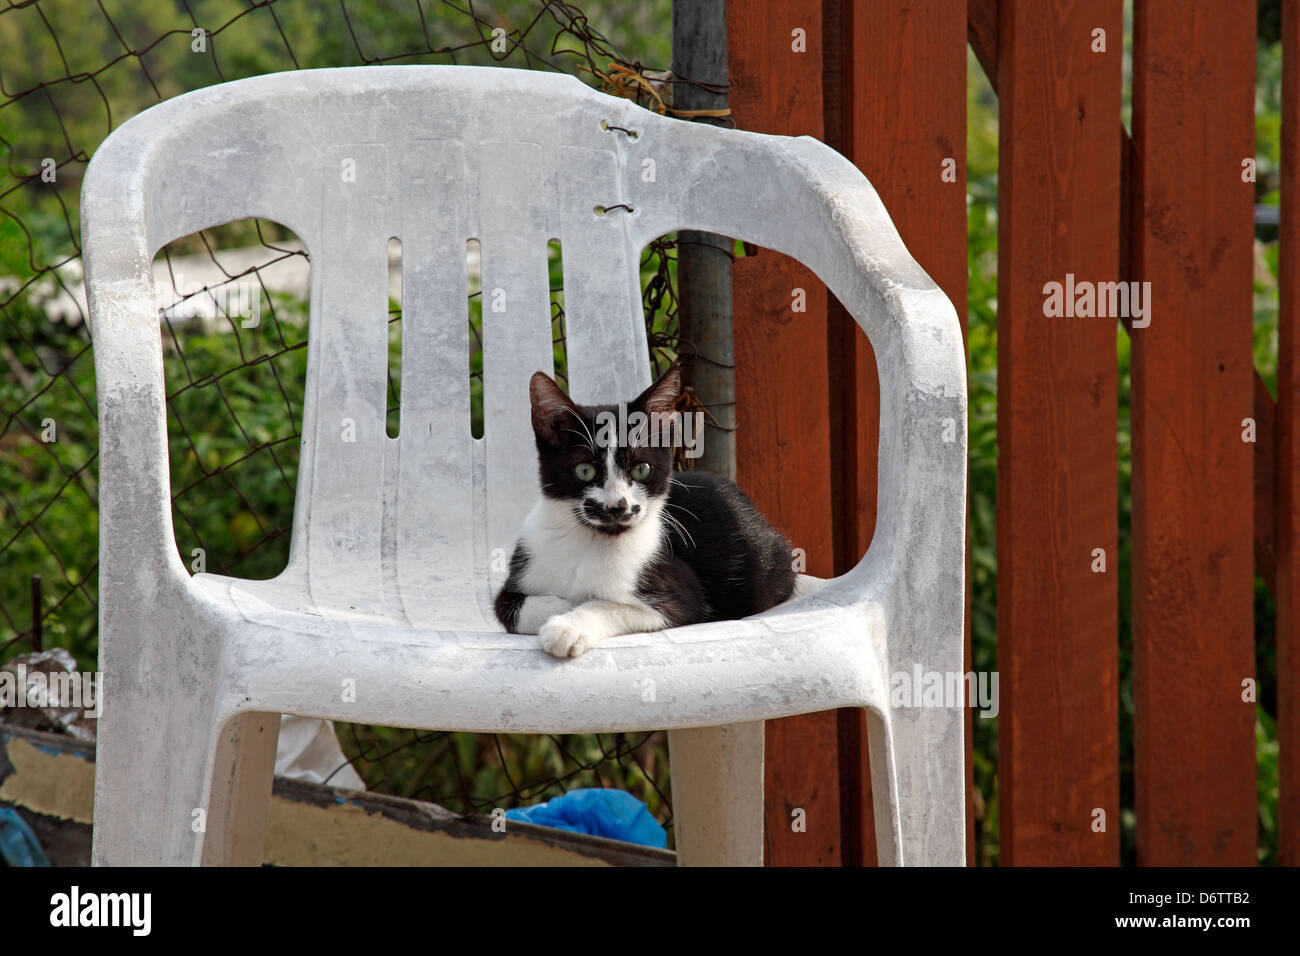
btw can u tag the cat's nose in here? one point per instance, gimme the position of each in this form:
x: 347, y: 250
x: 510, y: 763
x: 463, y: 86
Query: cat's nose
x: 618, y: 509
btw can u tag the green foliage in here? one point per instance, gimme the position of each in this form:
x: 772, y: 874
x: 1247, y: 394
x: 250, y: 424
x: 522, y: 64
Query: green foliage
x: 47, y: 492
x: 982, y: 377
x: 235, y: 399
x: 1268, y: 149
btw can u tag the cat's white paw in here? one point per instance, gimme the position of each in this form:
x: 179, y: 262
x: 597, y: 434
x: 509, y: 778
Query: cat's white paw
x: 561, y: 637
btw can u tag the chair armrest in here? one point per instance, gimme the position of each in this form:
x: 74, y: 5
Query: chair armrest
x: 915, y: 566
x: 799, y: 197
x: 921, y: 362
x: 136, y: 539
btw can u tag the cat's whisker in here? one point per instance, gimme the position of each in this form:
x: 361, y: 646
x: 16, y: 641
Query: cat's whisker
x: 685, y: 509
x: 572, y: 431
x: 679, y: 528
x: 591, y: 441
x: 674, y: 480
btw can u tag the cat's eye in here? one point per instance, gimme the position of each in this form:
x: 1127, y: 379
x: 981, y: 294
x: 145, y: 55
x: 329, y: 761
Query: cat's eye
x: 584, y: 471
x: 640, y: 471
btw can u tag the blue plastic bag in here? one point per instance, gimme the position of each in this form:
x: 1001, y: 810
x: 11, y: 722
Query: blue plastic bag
x: 18, y: 844
x: 605, y: 813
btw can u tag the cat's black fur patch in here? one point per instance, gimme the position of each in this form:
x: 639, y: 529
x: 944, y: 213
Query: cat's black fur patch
x: 743, y: 564
x: 510, y: 601
x: 670, y: 587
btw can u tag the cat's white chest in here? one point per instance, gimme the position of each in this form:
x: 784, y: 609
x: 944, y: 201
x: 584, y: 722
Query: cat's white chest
x: 574, y: 562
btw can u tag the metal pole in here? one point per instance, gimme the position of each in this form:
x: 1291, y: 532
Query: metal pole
x: 703, y: 259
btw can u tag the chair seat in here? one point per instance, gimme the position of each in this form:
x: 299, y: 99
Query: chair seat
x: 291, y: 657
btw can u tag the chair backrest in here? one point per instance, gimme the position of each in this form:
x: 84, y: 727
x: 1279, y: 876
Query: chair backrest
x: 433, y: 156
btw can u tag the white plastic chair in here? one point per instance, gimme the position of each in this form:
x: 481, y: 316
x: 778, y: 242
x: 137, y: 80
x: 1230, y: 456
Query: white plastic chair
x: 389, y: 583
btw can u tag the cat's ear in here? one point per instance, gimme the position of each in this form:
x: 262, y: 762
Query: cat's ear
x: 550, y: 407
x: 662, y: 395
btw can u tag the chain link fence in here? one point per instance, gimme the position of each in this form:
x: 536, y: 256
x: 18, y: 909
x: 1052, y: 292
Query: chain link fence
x: 70, y: 72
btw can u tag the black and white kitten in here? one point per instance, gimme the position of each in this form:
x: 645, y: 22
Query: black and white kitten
x: 619, y: 544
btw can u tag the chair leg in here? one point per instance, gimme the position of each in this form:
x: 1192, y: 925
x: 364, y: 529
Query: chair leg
x: 884, y: 791
x: 151, y: 755
x: 240, y: 795
x: 154, y: 805
x: 717, y: 775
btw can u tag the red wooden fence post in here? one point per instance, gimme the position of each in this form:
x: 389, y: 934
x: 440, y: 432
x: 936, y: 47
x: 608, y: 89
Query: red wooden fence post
x: 774, y: 52
x: 1193, y: 633
x: 1059, y: 202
